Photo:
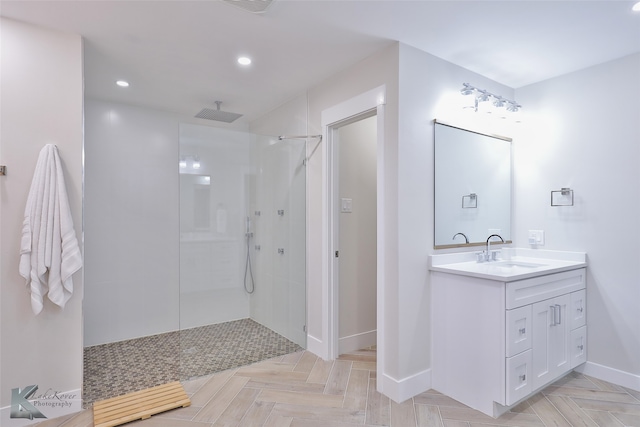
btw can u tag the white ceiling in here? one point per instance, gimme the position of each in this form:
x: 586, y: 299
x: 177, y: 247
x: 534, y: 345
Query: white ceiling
x: 181, y: 55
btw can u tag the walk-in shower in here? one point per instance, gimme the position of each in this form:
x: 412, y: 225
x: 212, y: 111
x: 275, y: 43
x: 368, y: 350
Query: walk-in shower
x: 242, y: 231
x: 194, y: 249
x: 242, y: 228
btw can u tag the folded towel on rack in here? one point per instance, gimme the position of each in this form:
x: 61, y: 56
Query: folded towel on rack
x: 49, y: 251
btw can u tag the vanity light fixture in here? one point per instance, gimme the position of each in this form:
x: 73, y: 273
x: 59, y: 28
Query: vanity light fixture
x: 482, y: 95
x: 122, y: 83
x: 467, y: 89
x: 244, y: 60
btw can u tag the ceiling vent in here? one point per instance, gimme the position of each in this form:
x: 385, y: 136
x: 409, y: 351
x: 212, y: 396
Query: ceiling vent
x: 253, y: 6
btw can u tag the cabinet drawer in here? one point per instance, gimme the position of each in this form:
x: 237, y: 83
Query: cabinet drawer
x: 578, y: 346
x: 518, y: 330
x: 518, y: 377
x: 529, y: 291
x: 578, y: 309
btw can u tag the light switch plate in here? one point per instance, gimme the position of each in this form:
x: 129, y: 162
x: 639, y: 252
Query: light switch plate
x: 536, y: 237
x: 346, y: 205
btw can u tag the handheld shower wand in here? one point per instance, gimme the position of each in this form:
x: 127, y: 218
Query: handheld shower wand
x: 249, y: 286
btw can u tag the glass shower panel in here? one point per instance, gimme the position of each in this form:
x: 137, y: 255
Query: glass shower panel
x: 280, y: 224
x: 242, y: 246
x: 215, y: 166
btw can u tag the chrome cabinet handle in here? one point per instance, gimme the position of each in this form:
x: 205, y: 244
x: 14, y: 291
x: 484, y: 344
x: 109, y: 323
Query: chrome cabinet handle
x: 552, y: 308
x: 521, y: 331
x: 559, y: 314
x: 523, y: 377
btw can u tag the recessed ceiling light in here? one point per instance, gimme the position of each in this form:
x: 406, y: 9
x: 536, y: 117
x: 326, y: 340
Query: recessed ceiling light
x: 636, y: 7
x: 243, y: 60
x: 122, y: 83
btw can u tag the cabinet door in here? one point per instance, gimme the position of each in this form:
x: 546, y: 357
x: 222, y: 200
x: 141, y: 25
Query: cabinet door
x: 578, y: 309
x: 550, y: 345
x: 578, y: 346
x: 518, y: 330
x: 518, y: 377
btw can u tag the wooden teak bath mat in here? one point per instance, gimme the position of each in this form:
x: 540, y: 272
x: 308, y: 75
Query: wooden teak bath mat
x: 139, y: 405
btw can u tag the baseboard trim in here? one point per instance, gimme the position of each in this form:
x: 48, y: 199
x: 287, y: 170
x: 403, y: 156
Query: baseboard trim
x: 612, y: 375
x: 406, y: 388
x: 357, y: 342
x: 317, y: 347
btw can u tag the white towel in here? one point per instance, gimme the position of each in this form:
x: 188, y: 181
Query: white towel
x: 49, y: 251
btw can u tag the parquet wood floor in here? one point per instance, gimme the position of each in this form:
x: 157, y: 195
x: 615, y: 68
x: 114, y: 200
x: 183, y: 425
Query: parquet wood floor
x: 301, y: 390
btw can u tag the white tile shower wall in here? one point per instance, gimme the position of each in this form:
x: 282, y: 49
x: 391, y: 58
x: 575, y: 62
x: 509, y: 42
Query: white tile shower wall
x: 279, y: 299
x: 131, y: 222
x: 282, y: 275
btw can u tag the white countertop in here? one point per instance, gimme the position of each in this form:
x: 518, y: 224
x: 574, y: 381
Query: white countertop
x: 513, y: 264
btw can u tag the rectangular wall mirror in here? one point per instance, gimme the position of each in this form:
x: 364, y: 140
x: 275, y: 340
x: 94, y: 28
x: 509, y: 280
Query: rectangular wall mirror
x: 472, y: 187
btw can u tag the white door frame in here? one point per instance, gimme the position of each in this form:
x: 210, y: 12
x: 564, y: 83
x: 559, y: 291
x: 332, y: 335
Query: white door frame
x: 352, y: 110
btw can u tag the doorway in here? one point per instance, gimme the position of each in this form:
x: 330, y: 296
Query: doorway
x: 355, y: 168
x: 370, y: 104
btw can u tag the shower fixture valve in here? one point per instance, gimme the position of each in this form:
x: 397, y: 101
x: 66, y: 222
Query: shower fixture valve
x: 281, y: 212
x: 281, y: 251
x: 257, y: 247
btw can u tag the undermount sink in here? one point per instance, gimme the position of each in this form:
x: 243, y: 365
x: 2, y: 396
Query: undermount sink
x: 517, y: 264
x: 514, y: 263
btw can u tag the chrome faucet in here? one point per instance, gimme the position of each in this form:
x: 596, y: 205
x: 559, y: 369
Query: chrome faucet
x: 463, y: 235
x: 487, y: 255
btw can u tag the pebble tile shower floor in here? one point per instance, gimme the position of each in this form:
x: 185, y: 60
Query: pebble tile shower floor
x: 118, y: 368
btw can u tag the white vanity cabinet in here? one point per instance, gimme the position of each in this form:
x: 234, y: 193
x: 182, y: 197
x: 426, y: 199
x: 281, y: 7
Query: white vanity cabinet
x: 496, y: 342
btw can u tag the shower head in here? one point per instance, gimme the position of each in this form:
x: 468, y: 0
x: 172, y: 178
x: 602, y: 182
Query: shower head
x: 253, y: 6
x: 218, y: 115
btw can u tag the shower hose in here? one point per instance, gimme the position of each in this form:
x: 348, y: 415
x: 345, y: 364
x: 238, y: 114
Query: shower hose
x: 249, y: 285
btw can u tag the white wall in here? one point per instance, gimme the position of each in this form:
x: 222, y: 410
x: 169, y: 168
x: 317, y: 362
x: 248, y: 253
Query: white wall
x: 419, y: 89
x: 41, y: 101
x: 357, y: 146
x: 373, y: 72
x: 131, y: 222
x: 582, y: 131
x: 426, y: 84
